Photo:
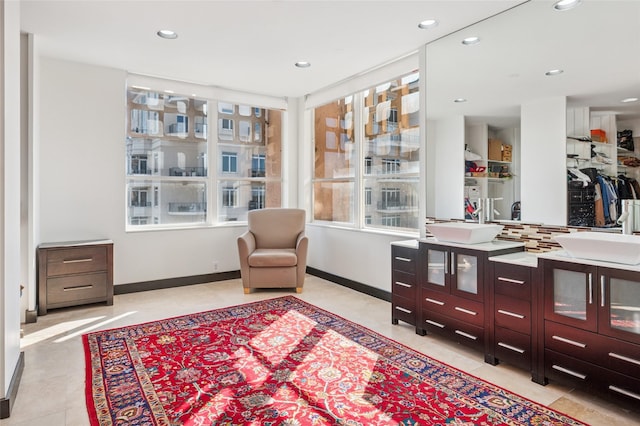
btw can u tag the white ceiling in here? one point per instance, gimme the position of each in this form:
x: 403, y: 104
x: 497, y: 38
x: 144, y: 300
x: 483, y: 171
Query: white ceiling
x: 252, y: 45
x: 245, y: 45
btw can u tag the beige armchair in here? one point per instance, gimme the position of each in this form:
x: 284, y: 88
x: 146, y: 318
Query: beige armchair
x: 273, y: 251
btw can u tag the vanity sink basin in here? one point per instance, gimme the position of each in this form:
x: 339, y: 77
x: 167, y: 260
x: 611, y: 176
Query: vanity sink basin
x: 464, y: 233
x: 606, y: 247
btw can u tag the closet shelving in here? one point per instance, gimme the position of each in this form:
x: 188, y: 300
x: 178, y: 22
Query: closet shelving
x: 606, y: 157
x: 499, y: 178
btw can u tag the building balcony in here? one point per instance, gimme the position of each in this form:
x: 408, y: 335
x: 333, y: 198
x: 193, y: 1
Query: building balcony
x: 186, y: 209
x: 257, y: 173
x: 188, y: 171
x: 391, y: 206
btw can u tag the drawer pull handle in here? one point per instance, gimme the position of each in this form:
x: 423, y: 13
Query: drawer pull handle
x: 437, y: 324
x: 510, y: 280
x: 406, y: 311
x: 437, y: 302
x: 624, y: 392
x: 467, y: 335
x: 571, y: 373
x: 403, y: 259
x: 465, y: 311
x: 80, y: 287
x: 512, y: 348
x: 511, y: 314
x: 571, y: 342
x: 624, y: 358
x: 89, y: 259
x: 403, y: 284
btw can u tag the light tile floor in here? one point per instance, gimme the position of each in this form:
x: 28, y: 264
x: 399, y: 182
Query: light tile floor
x: 52, y: 387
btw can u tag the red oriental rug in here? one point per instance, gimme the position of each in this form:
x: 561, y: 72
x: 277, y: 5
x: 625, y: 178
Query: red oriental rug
x: 283, y: 361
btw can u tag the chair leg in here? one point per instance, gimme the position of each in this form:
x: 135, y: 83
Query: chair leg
x: 247, y: 290
x: 298, y: 290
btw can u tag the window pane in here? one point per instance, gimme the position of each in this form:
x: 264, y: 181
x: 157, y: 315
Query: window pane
x: 391, y: 153
x: 174, y: 203
x: 253, y: 155
x: 166, y: 142
x: 237, y: 197
x: 333, y: 201
x: 334, y: 145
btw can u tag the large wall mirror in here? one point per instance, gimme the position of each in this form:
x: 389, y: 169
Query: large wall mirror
x: 492, y: 106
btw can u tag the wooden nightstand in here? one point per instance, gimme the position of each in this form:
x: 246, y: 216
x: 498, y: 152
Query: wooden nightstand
x: 74, y: 273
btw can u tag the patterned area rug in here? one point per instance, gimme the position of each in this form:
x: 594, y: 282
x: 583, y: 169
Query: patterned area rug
x: 283, y: 362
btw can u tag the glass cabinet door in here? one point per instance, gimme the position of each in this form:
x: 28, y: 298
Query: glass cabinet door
x: 437, y: 267
x: 466, y: 273
x: 619, y: 304
x: 570, y: 295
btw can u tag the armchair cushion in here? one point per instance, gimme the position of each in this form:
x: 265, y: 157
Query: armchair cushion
x: 264, y: 258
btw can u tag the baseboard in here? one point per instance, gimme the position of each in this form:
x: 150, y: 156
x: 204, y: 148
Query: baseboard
x: 6, y: 404
x: 174, y: 282
x: 207, y: 278
x: 354, y: 285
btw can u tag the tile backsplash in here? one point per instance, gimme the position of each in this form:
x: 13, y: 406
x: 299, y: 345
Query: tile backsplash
x: 536, y: 238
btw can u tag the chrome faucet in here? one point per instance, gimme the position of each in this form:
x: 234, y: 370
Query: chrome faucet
x: 629, y: 217
x: 486, y: 210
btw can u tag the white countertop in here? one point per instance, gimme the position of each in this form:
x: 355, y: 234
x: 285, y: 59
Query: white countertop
x: 406, y: 243
x: 564, y: 256
x: 489, y: 246
x: 521, y: 258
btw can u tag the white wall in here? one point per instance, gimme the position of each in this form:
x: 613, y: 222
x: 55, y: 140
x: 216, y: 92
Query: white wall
x: 364, y: 257
x: 82, y: 180
x: 543, y: 161
x: 9, y: 191
x: 447, y: 161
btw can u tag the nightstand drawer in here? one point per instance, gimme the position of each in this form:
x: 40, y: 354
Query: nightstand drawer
x: 76, y: 260
x: 75, y: 288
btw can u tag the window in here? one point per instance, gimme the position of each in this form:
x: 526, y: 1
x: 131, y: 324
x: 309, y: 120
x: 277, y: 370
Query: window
x: 390, y: 165
x: 229, y: 162
x: 386, y: 145
x: 257, y: 165
x: 255, y: 160
x: 393, y: 221
x: 162, y: 150
x: 257, y: 197
x: 167, y: 159
x: 334, y: 166
x: 229, y: 197
x: 225, y: 129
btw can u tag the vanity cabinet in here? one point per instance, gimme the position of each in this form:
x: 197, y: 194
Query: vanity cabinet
x: 74, y: 273
x: 453, y: 289
x: 404, y: 282
x: 514, y: 334
x: 592, y: 326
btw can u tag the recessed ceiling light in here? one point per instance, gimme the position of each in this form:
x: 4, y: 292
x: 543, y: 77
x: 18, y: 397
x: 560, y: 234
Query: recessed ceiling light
x: 553, y: 72
x: 168, y: 34
x: 303, y: 64
x: 428, y: 23
x: 469, y: 41
x: 625, y: 100
x: 460, y: 100
x: 169, y: 91
x: 566, y: 4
